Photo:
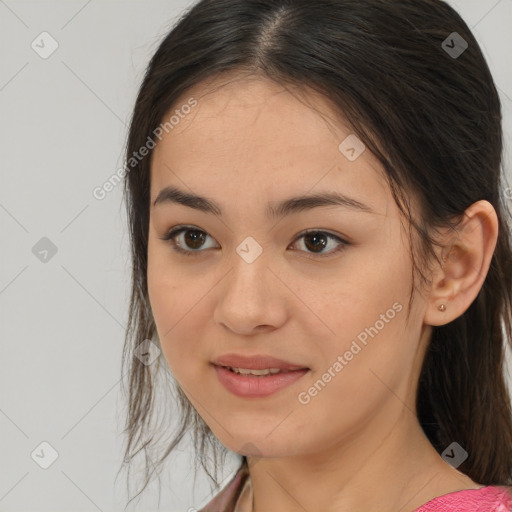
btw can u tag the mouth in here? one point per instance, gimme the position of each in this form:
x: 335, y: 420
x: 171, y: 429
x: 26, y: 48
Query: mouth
x: 255, y: 364
x: 259, y: 373
x: 257, y: 383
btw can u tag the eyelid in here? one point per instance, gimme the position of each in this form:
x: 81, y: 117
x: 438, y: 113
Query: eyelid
x: 177, y: 230
x: 343, y: 243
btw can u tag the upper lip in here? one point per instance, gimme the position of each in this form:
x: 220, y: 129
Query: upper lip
x: 255, y: 362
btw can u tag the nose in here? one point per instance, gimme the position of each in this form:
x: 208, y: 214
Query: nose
x: 251, y: 298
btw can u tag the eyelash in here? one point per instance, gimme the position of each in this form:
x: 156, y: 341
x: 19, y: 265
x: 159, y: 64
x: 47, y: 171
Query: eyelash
x: 174, y: 232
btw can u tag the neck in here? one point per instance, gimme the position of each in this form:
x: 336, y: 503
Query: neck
x: 388, y: 465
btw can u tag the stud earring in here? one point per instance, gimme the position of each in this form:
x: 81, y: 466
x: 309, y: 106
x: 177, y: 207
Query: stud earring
x: 442, y: 307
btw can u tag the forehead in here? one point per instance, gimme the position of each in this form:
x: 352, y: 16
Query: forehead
x: 253, y: 135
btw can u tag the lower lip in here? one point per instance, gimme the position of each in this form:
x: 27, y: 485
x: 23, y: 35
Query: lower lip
x: 252, y: 386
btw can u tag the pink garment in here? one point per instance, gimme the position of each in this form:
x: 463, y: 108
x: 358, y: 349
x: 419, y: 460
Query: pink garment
x: 490, y: 498
x: 486, y: 499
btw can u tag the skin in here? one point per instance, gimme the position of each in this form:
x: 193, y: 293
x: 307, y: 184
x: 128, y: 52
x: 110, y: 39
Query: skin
x: 358, y: 444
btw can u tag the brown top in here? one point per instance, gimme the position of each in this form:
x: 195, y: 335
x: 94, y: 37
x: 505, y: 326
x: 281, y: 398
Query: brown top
x: 228, y: 497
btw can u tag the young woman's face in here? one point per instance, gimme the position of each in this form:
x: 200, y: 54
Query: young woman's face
x: 252, y: 283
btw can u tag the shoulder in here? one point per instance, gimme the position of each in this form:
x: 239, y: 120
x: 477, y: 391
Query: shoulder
x: 490, y: 498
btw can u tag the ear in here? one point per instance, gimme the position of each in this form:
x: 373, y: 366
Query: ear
x: 466, y: 256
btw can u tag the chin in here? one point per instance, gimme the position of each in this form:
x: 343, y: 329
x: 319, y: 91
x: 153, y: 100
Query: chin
x: 259, y: 445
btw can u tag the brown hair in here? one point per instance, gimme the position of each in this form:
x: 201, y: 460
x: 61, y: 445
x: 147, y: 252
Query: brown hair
x: 433, y: 119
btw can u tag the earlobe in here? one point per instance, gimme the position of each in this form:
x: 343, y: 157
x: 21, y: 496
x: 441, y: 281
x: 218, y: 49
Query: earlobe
x: 440, y: 306
x: 457, y: 282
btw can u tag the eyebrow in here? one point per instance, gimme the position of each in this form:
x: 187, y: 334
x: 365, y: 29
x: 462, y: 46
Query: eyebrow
x: 283, y: 208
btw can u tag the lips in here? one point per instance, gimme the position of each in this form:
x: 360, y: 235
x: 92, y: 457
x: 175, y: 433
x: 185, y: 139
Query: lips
x: 236, y: 373
x: 251, y: 386
x: 256, y: 362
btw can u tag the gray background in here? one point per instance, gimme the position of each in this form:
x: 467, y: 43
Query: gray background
x: 63, y: 126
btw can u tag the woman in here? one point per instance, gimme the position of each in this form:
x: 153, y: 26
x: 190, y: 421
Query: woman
x: 321, y: 251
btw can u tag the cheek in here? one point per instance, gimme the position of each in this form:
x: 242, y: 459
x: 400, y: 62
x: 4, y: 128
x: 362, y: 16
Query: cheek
x: 366, y: 312
x: 362, y: 371
x: 168, y: 289
x: 355, y: 299
x: 172, y: 310
x: 174, y: 303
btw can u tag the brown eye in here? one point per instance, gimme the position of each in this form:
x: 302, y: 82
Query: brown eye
x: 187, y: 240
x: 316, y: 241
x: 194, y: 238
